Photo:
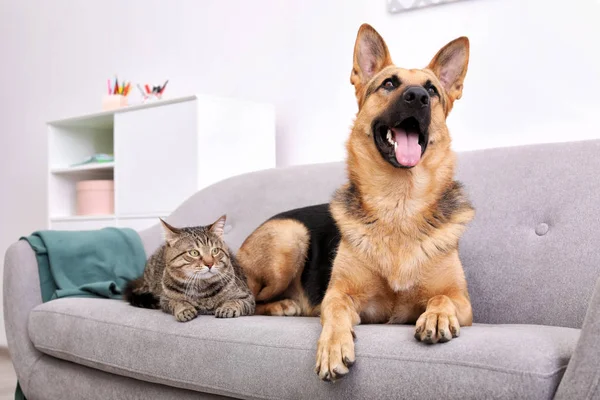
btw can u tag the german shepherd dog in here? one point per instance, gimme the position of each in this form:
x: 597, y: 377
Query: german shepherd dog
x: 385, y: 250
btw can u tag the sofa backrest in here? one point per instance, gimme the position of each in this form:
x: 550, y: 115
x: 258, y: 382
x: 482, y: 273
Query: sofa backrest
x: 531, y: 255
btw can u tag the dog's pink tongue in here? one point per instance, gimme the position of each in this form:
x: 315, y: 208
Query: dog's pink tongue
x: 408, y: 150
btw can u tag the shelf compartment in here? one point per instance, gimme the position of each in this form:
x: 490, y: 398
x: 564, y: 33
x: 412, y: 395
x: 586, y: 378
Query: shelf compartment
x: 63, y: 194
x: 68, y: 146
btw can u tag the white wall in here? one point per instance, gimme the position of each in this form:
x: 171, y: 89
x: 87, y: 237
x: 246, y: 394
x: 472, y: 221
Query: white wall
x: 533, y: 75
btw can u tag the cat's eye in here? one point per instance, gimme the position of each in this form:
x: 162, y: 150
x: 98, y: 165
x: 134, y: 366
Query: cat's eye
x: 215, y: 251
x: 194, y: 253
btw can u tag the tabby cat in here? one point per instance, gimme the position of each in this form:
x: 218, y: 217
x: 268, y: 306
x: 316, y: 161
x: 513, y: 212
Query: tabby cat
x: 193, y: 273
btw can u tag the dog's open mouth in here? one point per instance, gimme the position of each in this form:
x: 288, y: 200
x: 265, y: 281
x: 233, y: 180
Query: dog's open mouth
x: 402, y: 144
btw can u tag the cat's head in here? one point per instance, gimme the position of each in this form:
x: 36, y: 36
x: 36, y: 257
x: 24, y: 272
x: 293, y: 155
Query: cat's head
x: 197, y: 251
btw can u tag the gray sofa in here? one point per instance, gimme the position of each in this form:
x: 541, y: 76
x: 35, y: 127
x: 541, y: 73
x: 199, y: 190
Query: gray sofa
x: 531, y: 256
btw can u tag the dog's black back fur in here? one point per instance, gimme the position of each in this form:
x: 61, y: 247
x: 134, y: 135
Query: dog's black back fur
x: 323, y: 245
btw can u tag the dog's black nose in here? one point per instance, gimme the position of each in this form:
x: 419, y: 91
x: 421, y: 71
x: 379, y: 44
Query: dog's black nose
x: 416, y: 97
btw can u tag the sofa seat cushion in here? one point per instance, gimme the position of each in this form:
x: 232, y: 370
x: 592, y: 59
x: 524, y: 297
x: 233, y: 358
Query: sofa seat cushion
x: 274, y: 357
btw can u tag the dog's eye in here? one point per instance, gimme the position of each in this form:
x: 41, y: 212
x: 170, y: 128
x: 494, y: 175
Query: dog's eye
x: 432, y: 90
x: 390, y: 84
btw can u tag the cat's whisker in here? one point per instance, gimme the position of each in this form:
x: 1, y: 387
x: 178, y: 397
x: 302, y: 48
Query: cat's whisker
x: 185, y: 284
x: 239, y: 281
x: 195, y: 282
x: 219, y: 276
x: 223, y: 278
x: 189, y: 284
x: 189, y: 281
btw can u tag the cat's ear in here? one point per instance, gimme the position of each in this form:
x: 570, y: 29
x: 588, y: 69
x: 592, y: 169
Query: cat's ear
x: 171, y: 233
x: 218, y: 227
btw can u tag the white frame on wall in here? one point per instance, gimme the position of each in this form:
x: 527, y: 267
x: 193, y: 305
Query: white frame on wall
x: 400, y: 6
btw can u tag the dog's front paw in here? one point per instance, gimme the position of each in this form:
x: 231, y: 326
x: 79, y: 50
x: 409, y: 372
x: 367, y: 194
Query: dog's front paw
x: 335, y: 354
x: 185, y: 314
x: 436, y: 327
x: 227, y: 312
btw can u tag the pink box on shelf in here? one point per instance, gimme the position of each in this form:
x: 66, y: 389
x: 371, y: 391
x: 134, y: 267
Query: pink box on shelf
x: 95, y: 197
x: 113, y: 101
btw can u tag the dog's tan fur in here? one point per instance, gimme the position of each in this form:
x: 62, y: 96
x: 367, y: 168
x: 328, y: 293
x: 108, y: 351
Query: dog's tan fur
x: 398, y: 257
x: 274, y: 256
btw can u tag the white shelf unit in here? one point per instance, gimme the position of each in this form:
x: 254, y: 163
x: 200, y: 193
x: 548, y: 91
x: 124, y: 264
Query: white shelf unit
x: 164, y: 152
x: 105, y: 166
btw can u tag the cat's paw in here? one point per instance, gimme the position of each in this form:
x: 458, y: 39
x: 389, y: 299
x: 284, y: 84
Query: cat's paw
x: 227, y: 312
x: 186, y: 314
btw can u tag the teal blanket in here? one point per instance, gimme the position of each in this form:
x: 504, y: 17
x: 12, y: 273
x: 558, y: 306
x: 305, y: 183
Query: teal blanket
x: 94, y: 263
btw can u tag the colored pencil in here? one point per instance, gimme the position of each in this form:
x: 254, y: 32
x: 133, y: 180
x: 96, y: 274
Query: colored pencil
x: 141, y: 90
x: 163, y: 87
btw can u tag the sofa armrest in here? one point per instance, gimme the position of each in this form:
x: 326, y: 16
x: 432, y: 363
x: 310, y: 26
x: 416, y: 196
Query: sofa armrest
x: 22, y: 293
x: 582, y: 377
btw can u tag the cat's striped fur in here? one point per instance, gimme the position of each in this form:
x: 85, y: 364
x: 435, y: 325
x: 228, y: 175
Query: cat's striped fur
x: 193, y: 273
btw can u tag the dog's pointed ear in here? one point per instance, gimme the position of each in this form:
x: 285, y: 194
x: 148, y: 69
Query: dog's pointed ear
x: 450, y: 66
x: 371, y: 55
